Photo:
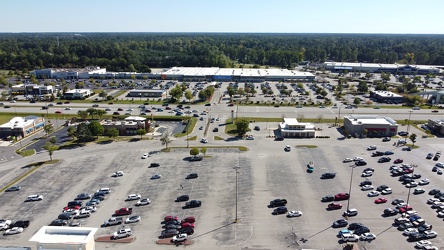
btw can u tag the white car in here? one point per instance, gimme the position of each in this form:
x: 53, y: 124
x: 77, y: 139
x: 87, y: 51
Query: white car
x: 432, y: 200
x: 373, y: 193
x: 422, y: 243
x: 180, y: 238
x: 368, y: 236
x: 90, y: 209
x: 143, y: 202
x: 367, y: 174
x: 294, y: 213
x: 67, y: 108
x: 132, y: 219
x: 410, y: 231
x: 14, y: 230
x: 440, y: 214
x: 146, y: 155
x: 373, y: 147
x: 367, y: 187
x: 117, y: 174
x: 122, y: 233
x: 204, y: 140
x: 411, y: 184
x: 287, y: 148
x: 35, y: 197
x: 4, y: 224
x: 347, y: 160
x: 424, y: 182
x: 430, y: 234
x: 132, y: 197
x: 250, y: 137
x: 357, y: 158
x: 156, y: 176
x: 386, y: 191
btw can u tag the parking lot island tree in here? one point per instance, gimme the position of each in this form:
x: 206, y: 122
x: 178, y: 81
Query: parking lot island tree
x: 83, y: 114
x: 203, y: 151
x: 50, y: 148
x: 242, y: 127
x: 166, y: 138
x: 49, y: 128
x: 194, y: 151
x: 413, y: 139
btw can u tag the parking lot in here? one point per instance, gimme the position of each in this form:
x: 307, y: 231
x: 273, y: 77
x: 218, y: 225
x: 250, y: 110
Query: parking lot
x: 266, y: 172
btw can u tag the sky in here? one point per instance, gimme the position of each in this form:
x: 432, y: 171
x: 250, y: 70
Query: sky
x: 233, y: 16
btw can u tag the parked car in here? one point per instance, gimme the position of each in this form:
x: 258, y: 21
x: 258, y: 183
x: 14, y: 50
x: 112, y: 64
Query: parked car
x: 294, y: 213
x: 342, y: 196
x: 350, y: 212
x: 182, y: 198
x: 143, y: 202
x: 132, y: 219
x: 334, y: 206
x: 328, y: 198
x: 340, y: 223
x: 13, y: 188
x: 34, y: 197
x: 13, y: 230
x: 192, y: 176
x: 328, y: 176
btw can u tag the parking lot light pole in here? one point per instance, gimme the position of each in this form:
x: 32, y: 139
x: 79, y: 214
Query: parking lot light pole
x: 236, y: 220
x: 349, y: 190
x: 410, y: 189
x: 408, y: 122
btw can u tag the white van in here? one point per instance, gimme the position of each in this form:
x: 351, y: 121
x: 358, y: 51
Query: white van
x: 350, y: 238
x: 104, y: 190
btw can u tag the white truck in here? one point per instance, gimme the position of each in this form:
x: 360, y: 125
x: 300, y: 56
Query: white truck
x: 113, y: 221
x: 122, y: 233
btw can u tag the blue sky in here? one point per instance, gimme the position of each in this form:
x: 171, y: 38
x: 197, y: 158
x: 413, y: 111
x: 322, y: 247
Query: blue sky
x: 251, y: 16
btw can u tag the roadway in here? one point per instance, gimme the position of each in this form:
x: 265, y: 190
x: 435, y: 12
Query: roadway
x: 224, y: 111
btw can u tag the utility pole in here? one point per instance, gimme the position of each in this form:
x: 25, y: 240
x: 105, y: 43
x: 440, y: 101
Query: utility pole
x: 349, y: 190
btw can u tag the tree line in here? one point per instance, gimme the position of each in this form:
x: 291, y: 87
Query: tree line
x: 142, y: 51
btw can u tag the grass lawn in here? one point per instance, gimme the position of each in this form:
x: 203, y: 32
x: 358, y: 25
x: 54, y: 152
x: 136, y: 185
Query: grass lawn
x: 27, y: 152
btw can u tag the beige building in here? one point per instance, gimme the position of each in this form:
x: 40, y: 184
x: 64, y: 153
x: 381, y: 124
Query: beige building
x: 129, y: 126
x: 67, y: 238
x: 375, y: 126
x: 21, y: 127
x: 291, y: 128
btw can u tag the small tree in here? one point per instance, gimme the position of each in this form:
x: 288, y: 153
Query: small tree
x: 92, y: 112
x: 413, y: 139
x: 112, y: 133
x: 53, y: 140
x: 100, y: 113
x: 48, y: 129
x: 71, y: 131
x: 141, y: 132
x: 242, y: 127
x: 194, y: 151
x: 188, y: 95
x: 203, y: 151
x: 83, y: 133
x: 166, y: 138
x: 50, y: 148
x: 83, y: 114
x: 95, y: 128
x: 103, y: 94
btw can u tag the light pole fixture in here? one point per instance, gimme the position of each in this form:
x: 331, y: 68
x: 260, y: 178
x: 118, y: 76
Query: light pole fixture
x: 408, y: 122
x: 349, y: 190
x: 236, y: 220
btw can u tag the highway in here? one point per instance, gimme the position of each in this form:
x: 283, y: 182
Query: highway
x: 222, y: 110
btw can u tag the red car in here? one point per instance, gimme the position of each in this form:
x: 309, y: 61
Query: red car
x: 58, y: 112
x: 187, y: 224
x: 405, y: 209
x: 170, y: 217
x: 380, y: 200
x: 334, y: 205
x: 73, y: 207
x: 408, y: 170
x: 190, y: 219
x: 342, y: 196
x: 398, y: 161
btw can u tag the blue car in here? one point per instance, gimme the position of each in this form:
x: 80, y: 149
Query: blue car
x: 388, y: 152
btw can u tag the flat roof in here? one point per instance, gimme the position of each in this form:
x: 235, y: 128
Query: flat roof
x: 19, y: 122
x: 64, y: 235
x: 379, y: 65
x: 244, y: 72
x: 386, y: 93
x: 370, y: 119
x: 135, y: 118
x: 77, y: 91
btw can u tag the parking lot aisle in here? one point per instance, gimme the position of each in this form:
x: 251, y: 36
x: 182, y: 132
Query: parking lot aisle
x: 261, y: 219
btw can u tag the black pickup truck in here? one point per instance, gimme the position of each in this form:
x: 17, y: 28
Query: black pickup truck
x: 278, y: 202
x: 20, y: 223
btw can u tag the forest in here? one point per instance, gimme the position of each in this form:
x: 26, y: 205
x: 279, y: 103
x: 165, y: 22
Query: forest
x: 139, y: 52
